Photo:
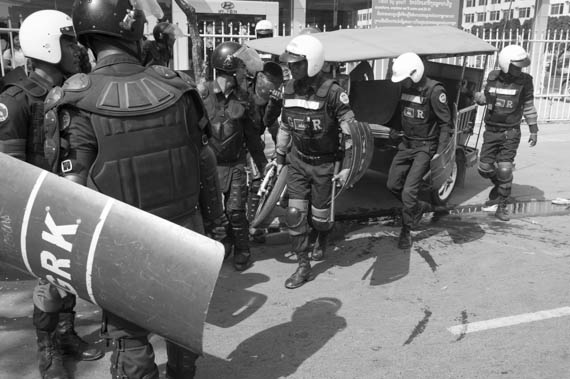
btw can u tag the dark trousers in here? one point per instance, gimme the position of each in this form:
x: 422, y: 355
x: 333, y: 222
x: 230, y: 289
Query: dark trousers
x: 405, y: 177
x: 47, y: 321
x: 312, y: 183
x: 500, y: 146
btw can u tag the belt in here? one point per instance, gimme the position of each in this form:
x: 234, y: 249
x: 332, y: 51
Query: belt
x: 500, y: 129
x: 413, y: 143
x: 316, y: 160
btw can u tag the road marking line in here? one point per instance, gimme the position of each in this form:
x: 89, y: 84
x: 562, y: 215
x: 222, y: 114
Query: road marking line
x: 508, y: 321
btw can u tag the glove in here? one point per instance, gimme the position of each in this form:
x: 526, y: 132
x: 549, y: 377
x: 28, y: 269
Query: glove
x: 396, y: 135
x: 342, y: 176
x: 218, y: 228
x: 533, y: 139
x: 479, y: 98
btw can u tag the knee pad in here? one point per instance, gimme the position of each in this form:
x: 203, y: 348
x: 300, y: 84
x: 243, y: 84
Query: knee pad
x: 237, y: 219
x: 47, y: 298
x: 321, y: 219
x: 296, y: 212
x: 486, y: 170
x: 505, y: 172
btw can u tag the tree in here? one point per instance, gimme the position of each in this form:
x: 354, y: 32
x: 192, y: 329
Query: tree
x: 197, y: 46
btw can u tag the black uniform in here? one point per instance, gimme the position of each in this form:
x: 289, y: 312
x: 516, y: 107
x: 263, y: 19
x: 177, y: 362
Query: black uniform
x: 506, y: 96
x: 426, y: 124
x: 139, y: 135
x: 234, y: 134
x: 22, y: 136
x: 311, y: 120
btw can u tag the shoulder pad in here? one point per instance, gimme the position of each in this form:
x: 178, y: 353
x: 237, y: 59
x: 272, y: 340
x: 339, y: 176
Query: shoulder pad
x: 493, y: 75
x: 12, y: 90
x: 325, y: 87
x: 164, y: 71
x: 53, y: 97
x: 187, y: 78
x: 289, y: 87
x: 78, y: 82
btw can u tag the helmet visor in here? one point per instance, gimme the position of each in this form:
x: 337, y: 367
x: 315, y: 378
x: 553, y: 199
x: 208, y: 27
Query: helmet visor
x: 289, y: 57
x: 521, y: 62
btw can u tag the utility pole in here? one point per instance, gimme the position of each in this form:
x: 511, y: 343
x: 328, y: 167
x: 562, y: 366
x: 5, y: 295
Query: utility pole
x: 539, y: 26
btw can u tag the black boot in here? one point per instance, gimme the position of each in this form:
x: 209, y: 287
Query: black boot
x: 242, y: 259
x: 318, y: 253
x: 405, y: 239
x: 303, y: 273
x: 181, y: 363
x: 50, y: 357
x: 502, y: 212
x: 73, y: 345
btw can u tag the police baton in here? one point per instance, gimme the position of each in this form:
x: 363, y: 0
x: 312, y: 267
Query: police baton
x: 333, y: 192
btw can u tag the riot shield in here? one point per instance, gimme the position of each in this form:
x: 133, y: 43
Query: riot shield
x: 127, y: 261
x: 362, y: 152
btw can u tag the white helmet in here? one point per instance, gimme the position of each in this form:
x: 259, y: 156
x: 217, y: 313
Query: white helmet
x: 305, y: 47
x: 264, y: 25
x: 407, y: 65
x: 40, y: 33
x: 515, y: 55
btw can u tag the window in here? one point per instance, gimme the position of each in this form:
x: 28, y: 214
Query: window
x: 508, y: 14
x: 469, y: 18
x: 524, y: 12
x: 556, y: 9
x: 481, y: 17
x: 470, y: 3
x: 482, y: 2
x: 494, y: 15
x: 495, y: 1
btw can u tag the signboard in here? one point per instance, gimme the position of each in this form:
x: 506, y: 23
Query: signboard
x: 415, y: 12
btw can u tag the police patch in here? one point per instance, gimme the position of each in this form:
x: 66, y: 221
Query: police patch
x: 3, y: 112
x: 443, y: 98
x: 343, y: 98
x: 65, y: 119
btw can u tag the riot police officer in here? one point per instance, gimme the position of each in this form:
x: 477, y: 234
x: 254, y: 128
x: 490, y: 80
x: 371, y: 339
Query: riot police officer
x: 140, y: 136
x: 233, y: 135
x: 48, y: 40
x: 316, y: 111
x: 264, y: 29
x: 160, y: 51
x: 426, y: 126
x: 509, y: 96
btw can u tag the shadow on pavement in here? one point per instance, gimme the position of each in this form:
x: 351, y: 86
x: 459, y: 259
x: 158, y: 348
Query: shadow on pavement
x: 232, y: 302
x: 287, y: 345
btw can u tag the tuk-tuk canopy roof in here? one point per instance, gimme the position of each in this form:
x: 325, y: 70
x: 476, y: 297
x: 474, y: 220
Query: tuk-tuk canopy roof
x: 349, y: 45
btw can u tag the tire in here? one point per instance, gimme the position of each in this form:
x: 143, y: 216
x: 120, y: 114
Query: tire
x: 442, y: 194
x: 266, y: 205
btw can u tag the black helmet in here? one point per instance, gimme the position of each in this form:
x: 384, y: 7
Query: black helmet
x: 223, y: 57
x: 161, y: 30
x: 115, y: 18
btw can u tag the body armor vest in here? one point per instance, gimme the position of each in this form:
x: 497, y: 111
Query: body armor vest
x: 226, y: 118
x: 147, y: 155
x: 418, y: 119
x: 504, y: 105
x: 35, y: 95
x: 315, y: 133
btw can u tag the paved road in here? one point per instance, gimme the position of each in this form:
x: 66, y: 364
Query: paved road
x: 474, y: 298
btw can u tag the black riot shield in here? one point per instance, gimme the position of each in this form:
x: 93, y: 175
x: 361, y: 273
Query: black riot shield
x: 127, y: 261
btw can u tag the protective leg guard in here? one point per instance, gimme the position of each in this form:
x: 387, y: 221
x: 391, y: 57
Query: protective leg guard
x: 303, y: 274
x: 505, y: 179
x: 50, y: 357
x: 133, y: 358
x: 320, y: 247
x: 240, y: 232
x: 72, y: 344
x: 405, y: 239
x: 181, y: 363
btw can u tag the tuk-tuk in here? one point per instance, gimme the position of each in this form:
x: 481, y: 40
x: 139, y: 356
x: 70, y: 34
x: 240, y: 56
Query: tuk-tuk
x: 375, y: 101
